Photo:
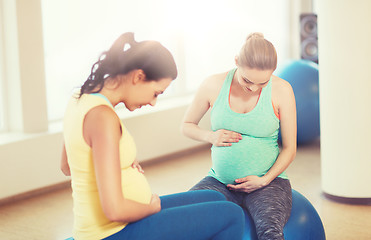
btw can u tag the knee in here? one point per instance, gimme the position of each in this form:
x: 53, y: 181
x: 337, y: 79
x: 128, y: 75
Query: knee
x: 233, y: 211
x: 215, y: 194
x: 210, y: 195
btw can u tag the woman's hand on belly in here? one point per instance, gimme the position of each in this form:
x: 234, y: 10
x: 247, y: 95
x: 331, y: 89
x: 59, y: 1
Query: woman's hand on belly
x: 224, y: 138
x: 248, y: 184
x: 137, y: 166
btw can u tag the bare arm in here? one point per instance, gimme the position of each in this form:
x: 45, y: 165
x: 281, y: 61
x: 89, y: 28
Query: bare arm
x: 287, y: 111
x: 196, y: 111
x: 102, y: 132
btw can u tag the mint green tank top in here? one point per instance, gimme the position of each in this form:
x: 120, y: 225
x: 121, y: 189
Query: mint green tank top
x: 258, y: 150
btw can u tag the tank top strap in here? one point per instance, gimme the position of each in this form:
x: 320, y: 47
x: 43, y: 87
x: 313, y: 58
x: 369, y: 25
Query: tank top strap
x: 223, y: 95
x: 102, y: 96
x: 265, y: 99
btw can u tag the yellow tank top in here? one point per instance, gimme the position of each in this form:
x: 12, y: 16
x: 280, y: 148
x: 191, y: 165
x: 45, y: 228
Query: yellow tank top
x: 89, y: 220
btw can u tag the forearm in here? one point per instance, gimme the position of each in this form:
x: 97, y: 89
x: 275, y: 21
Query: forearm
x: 193, y: 131
x: 283, y: 160
x: 130, y: 211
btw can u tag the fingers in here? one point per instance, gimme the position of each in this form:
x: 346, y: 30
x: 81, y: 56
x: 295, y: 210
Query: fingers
x: 224, y: 144
x: 138, y: 167
x: 244, y: 179
x: 231, y: 136
x: 66, y: 172
x: 241, y: 188
x: 155, y: 197
x: 238, y: 187
x: 156, y: 203
x: 225, y: 138
x: 246, y: 184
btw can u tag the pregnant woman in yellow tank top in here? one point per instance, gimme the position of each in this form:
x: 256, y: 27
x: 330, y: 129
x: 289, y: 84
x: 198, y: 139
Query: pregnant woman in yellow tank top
x: 248, y: 107
x: 111, y: 196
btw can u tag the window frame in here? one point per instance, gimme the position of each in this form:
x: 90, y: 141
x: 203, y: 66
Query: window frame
x: 22, y: 60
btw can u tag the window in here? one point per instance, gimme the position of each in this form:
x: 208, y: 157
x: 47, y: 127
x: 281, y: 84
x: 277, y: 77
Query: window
x: 203, y: 36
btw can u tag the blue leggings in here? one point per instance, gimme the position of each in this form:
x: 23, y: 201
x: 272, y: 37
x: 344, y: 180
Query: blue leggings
x: 191, y: 215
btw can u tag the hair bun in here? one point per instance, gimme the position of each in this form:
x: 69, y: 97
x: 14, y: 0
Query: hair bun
x: 124, y: 42
x: 128, y: 37
x: 255, y: 35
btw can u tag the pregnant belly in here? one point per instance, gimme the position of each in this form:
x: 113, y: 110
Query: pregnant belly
x: 250, y: 156
x: 135, y: 186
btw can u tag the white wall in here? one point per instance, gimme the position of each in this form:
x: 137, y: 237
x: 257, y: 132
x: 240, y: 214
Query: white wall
x: 30, y: 164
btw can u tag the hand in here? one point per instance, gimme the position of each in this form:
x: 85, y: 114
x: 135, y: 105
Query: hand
x: 155, y: 203
x: 248, y: 184
x: 224, y: 138
x: 65, y: 168
x: 136, y: 165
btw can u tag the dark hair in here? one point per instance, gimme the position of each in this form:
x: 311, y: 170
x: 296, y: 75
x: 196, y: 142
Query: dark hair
x: 126, y: 55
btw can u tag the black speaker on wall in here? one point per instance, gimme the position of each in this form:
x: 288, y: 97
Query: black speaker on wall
x: 309, y: 37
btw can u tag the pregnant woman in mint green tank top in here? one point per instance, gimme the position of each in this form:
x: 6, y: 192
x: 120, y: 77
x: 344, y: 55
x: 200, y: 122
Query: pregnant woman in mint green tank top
x: 249, y: 105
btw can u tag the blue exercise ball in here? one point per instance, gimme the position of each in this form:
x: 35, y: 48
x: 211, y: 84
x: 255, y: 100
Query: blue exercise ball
x: 303, y: 77
x: 304, y: 222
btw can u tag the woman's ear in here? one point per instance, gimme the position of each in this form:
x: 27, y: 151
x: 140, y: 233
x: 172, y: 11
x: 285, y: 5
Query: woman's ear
x: 236, y: 60
x: 139, y: 76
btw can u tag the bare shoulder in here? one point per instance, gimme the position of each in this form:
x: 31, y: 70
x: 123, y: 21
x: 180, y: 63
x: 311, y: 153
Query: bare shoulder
x: 281, y: 90
x: 102, y: 118
x: 214, y: 81
x: 279, y: 84
x: 211, y: 86
x: 280, y: 87
x: 102, y: 113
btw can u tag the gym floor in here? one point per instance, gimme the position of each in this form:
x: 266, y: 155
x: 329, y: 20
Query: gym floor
x: 49, y: 216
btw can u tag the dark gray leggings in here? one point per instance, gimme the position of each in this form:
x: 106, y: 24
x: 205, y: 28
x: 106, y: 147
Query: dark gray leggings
x: 269, y: 207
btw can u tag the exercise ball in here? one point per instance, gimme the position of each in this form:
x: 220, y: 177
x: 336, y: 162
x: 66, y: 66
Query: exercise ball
x: 304, y: 222
x: 303, y: 77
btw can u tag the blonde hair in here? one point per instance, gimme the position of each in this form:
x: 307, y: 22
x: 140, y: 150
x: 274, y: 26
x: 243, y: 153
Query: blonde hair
x: 257, y: 53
